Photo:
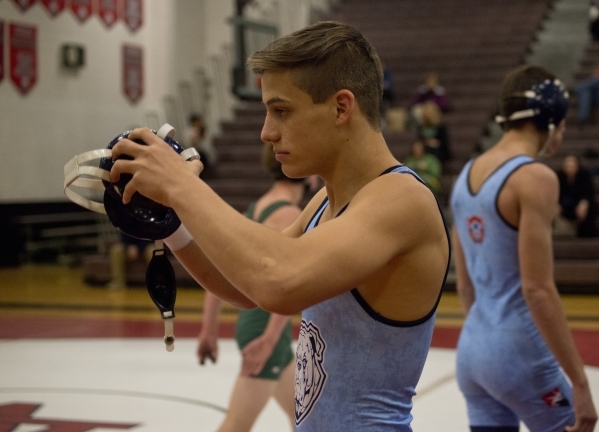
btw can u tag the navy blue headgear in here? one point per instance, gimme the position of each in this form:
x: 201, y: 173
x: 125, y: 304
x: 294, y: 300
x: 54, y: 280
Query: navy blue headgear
x: 546, y: 104
x: 141, y: 217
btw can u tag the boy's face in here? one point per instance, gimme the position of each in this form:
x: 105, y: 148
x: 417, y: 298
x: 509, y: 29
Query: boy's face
x: 300, y: 131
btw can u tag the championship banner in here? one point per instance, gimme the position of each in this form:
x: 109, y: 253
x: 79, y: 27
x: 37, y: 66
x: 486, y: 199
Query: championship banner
x: 54, y: 7
x: 1, y: 51
x: 23, y: 56
x: 108, y: 11
x: 82, y: 9
x: 24, y: 4
x: 132, y: 72
x: 132, y: 14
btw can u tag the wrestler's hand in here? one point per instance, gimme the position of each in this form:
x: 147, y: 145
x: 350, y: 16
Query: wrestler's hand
x: 207, y: 348
x: 586, y: 416
x: 255, y: 355
x: 158, y: 171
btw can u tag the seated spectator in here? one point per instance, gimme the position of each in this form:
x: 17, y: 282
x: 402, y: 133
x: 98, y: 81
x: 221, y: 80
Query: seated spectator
x: 432, y: 91
x: 587, y: 93
x: 577, y: 212
x: 431, y: 129
x: 426, y: 165
x: 128, y: 249
x: 195, y: 136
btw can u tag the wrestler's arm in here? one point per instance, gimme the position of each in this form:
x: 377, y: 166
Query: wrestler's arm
x: 464, y: 285
x: 539, y: 289
x: 209, y: 277
x: 208, y: 336
x: 257, y: 352
x: 284, y: 274
x: 280, y: 273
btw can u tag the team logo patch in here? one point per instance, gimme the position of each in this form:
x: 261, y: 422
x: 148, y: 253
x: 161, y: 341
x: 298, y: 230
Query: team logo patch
x: 555, y: 398
x: 476, y: 229
x: 310, y: 376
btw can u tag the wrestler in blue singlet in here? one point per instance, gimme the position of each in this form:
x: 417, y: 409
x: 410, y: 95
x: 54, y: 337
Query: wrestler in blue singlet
x: 504, y: 367
x: 357, y: 370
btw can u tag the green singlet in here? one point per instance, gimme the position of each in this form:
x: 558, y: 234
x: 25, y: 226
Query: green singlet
x: 252, y: 323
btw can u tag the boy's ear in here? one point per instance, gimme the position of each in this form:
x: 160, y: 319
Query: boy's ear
x: 345, y: 103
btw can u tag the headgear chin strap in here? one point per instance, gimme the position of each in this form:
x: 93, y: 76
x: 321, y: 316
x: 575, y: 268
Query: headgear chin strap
x: 141, y: 218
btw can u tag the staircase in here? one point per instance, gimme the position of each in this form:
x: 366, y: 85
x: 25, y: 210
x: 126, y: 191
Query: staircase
x: 470, y: 44
x: 238, y: 177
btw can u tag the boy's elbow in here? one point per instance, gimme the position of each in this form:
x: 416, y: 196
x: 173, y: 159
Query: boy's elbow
x: 537, y: 291
x: 277, y: 296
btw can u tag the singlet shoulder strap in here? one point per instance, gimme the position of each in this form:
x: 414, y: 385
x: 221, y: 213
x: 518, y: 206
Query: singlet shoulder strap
x: 249, y: 212
x: 269, y: 210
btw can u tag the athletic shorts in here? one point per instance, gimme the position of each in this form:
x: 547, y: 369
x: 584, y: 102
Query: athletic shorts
x: 508, y: 377
x: 250, y: 325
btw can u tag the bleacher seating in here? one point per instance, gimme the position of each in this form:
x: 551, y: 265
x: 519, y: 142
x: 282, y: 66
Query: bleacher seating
x: 577, y: 259
x: 471, y: 44
x: 238, y: 176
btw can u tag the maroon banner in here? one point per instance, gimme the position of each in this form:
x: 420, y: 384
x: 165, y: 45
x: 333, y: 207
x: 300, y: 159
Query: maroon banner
x: 133, y: 14
x: 24, y: 4
x: 1, y: 51
x: 108, y: 11
x: 23, y: 56
x: 82, y: 9
x: 132, y: 72
x: 54, y: 7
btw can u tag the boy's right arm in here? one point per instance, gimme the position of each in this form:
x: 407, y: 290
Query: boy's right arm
x: 208, y: 336
x: 464, y: 285
x: 536, y: 267
x: 209, y: 277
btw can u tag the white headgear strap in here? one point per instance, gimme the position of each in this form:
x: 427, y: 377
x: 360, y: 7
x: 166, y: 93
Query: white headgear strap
x: 76, y: 174
x: 547, y: 144
x: 518, y: 115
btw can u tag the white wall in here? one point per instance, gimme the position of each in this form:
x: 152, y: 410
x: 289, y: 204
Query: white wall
x: 67, y: 112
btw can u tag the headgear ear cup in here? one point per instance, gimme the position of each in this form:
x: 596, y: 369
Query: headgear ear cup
x: 546, y: 105
x: 550, y: 101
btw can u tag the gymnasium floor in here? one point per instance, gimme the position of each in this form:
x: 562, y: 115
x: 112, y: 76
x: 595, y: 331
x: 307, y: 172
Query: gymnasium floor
x: 75, y: 358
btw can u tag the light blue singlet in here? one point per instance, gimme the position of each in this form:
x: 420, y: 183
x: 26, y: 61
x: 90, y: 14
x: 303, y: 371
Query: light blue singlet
x: 356, y: 370
x: 504, y: 368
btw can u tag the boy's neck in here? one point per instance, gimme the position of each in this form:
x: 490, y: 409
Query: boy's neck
x: 362, y: 160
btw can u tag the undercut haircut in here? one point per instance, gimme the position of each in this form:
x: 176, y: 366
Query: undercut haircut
x: 324, y: 58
